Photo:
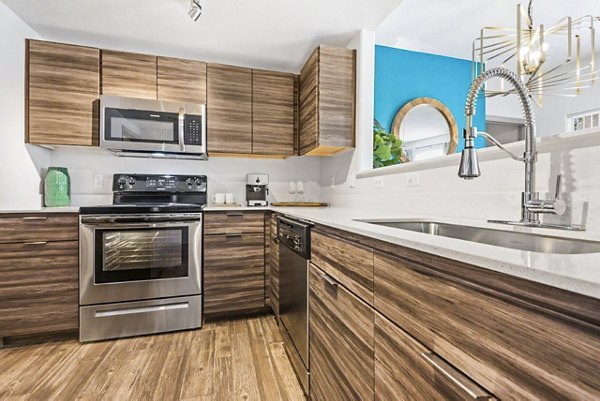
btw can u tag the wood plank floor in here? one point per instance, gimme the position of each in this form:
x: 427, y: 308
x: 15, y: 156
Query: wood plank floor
x: 229, y: 361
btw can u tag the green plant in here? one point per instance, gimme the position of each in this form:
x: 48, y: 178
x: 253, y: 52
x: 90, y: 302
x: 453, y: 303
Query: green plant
x: 387, y: 148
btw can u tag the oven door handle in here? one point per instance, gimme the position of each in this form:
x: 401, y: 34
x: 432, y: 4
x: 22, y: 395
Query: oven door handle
x: 140, y: 220
x: 122, y: 226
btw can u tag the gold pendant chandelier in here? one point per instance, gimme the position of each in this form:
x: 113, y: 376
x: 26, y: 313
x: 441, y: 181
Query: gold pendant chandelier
x: 556, y: 60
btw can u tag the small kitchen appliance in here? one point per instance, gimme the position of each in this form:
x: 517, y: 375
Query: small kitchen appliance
x: 257, y: 189
x: 140, y: 259
x: 153, y: 128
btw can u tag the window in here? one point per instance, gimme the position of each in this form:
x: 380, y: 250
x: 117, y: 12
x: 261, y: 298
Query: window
x: 581, y: 121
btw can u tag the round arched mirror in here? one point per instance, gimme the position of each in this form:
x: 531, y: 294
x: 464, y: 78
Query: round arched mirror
x: 427, y: 129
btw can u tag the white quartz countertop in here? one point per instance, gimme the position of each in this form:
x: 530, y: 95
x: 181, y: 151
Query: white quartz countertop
x: 578, y: 273
x: 227, y: 208
x: 66, y: 209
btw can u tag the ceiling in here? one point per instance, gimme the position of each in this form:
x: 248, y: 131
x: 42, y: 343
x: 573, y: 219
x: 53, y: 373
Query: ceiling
x: 274, y: 34
x: 449, y: 27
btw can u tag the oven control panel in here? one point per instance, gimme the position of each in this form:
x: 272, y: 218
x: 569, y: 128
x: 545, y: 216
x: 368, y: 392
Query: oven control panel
x: 193, y: 130
x: 159, y: 183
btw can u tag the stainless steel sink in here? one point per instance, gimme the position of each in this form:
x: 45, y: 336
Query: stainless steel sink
x: 506, y: 239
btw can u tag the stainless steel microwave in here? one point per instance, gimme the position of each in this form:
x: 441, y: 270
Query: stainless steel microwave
x: 153, y: 128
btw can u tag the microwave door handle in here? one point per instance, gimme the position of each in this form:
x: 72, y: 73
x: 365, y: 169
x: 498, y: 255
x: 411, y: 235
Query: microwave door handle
x: 181, y: 128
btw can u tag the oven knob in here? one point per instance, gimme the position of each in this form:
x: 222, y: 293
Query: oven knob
x: 122, y: 181
x: 189, y: 182
x: 198, y: 181
x: 131, y: 181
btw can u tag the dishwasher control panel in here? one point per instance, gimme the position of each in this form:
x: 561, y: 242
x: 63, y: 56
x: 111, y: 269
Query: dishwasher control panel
x: 295, y: 235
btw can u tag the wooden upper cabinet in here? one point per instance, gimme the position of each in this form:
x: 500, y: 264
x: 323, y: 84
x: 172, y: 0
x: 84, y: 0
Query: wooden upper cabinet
x: 229, y: 114
x: 181, y: 80
x: 327, y: 102
x: 63, y: 86
x: 273, y: 112
x: 128, y: 74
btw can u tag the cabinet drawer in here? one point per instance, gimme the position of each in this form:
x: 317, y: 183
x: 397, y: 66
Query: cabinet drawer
x: 234, y: 223
x: 234, y: 273
x: 407, y: 370
x: 341, y: 342
x: 514, y: 352
x: 350, y: 264
x: 38, y: 287
x: 38, y: 227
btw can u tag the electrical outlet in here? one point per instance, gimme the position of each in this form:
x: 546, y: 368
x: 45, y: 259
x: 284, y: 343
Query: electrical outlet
x: 378, y: 182
x: 98, y: 181
x: 413, y: 179
x: 352, y: 180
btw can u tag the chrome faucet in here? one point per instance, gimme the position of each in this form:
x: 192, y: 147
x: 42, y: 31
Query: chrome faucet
x: 531, y: 205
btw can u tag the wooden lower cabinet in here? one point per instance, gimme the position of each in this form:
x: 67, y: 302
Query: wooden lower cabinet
x: 405, y: 370
x: 234, y: 273
x: 516, y: 353
x: 341, y: 342
x: 439, y: 329
x: 39, y: 270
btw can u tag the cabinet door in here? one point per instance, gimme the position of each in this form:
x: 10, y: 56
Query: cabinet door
x: 273, y: 113
x: 229, y: 114
x: 181, y: 80
x: 128, y: 74
x: 309, y: 104
x: 234, y: 273
x: 406, y: 370
x: 341, y: 342
x: 39, y: 287
x: 63, y: 84
x: 337, y: 93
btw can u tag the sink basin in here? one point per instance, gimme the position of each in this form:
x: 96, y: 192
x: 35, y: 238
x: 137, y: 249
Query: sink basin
x: 506, y: 239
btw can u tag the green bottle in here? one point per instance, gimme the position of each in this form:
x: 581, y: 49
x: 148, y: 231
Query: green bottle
x: 57, y: 187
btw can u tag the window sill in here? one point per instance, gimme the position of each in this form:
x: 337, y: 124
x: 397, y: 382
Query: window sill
x: 564, y: 141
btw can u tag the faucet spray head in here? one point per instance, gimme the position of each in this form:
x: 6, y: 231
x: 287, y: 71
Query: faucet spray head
x: 469, y: 165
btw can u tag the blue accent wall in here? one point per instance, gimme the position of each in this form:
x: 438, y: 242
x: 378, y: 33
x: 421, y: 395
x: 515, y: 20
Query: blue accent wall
x: 402, y: 75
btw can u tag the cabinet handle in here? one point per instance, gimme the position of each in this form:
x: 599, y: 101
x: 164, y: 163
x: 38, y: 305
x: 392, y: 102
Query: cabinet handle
x: 38, y: 243
x: 235, y: 214
x: 458, y: 380
x: 35, y: 218
x: 328, y: 279
x: 233, y: 235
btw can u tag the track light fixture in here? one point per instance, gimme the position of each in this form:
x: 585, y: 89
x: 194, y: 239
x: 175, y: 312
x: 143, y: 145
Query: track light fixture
x: 195, y: 10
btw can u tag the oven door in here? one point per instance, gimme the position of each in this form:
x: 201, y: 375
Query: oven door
x: 137, y: 258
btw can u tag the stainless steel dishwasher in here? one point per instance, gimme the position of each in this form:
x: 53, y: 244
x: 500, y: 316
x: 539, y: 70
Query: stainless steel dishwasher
x: 294, y: 255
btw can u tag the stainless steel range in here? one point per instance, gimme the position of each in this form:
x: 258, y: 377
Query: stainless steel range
x: 140, y: 268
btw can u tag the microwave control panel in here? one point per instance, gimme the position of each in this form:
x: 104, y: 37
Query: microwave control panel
x: 193, y: 130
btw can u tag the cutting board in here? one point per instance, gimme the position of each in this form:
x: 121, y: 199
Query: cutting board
x: 300, y: 204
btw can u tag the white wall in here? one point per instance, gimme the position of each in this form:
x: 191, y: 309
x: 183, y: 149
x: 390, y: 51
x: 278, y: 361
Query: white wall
x: 21, y: 166
x: 552, y: 115
x: 224, y: 174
